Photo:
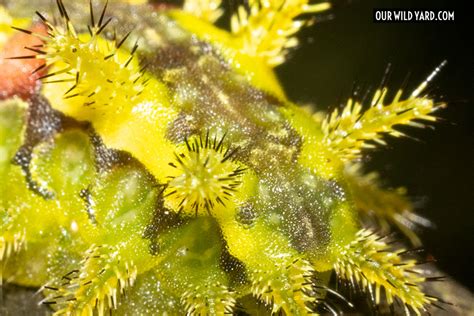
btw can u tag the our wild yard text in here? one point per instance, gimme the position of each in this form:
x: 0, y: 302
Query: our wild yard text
x: 410, y: 15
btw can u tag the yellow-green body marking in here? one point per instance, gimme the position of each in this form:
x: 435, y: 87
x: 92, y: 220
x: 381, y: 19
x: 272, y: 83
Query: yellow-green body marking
x: 177, y: 178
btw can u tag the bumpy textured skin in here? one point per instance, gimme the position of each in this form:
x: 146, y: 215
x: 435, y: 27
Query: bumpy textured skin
x: 191, y: 185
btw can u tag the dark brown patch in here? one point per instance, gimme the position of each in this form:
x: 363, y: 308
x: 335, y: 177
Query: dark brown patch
x: 42, y: 123
x: 212, y: 96
x: 162, y: 221
x: 234, y: 268
x: 86, y: 196
x: 304, y: 209
x: 105, y: 158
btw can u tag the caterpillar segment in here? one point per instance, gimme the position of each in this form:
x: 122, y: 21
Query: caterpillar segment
x: 371, y: 263
x: 190, y: 265
x: 213, y: 299
x: 220, y: 191
x: 279, y: 277
x: 288, y: 289
x: 99, y: 77
x: 266, y: 29
x: 353, y: 130
x: 383, y: 206
x: 78, y: 59
x: 95, y: 286
x: 206, y: 176
x: 349, y: 133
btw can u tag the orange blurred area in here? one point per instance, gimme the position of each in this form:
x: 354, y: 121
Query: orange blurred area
x: 16, y: 78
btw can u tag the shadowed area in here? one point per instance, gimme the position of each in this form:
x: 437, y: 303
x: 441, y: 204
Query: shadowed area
x: 23, y: 301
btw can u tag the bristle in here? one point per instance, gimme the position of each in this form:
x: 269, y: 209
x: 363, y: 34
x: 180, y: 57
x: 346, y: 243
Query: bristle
x: 134, y: 49
x: 62, y: 9
x: 38, y: 68
x: 91, y: 11
x: 334, y: 293
x: 22, y: 30
x: 42, y: 17
x: 427, y: 81
x: 103, y: 26
x: 123, y: 41
x: 22, y: 57
x: 103, y: 14
x: 36, y: 50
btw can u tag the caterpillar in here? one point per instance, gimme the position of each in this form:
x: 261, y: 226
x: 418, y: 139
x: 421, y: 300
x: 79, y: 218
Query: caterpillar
x: 154, y: 165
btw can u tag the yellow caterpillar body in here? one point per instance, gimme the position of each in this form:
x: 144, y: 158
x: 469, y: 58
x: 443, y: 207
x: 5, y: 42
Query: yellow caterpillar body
x: 159, y: 168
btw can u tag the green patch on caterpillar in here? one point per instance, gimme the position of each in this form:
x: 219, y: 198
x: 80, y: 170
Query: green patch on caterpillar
x: 163, y: 170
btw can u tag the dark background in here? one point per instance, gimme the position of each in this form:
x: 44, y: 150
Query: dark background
x: 437, y: 169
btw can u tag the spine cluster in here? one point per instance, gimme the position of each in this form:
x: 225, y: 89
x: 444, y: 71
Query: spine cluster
x: 369, y: 262
x: 94, y: 286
